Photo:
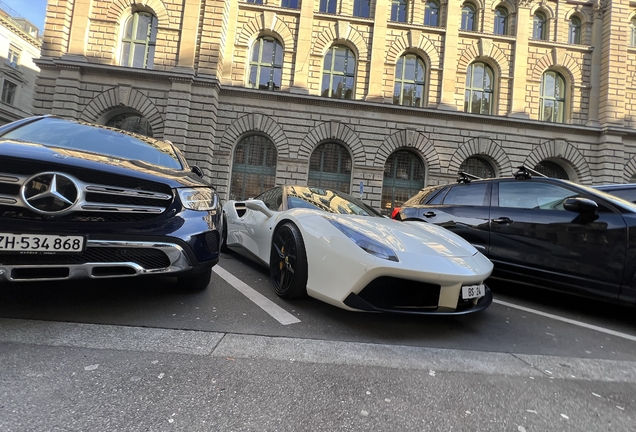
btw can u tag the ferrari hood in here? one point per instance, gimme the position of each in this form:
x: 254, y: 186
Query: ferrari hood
x: 408, y: 237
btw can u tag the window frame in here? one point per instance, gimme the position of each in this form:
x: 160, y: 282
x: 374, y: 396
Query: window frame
x: 632, y: 34
x: 428, y: 14
x: 16, y: 53
x: 265, y: 172
x: 402, y: 81
x: 357, y: 8
x: 574, y: 30
x: 411, y: 185
x: 540, y: 19
x: 399, y: 9
x: 468, y: 11
x: 14, y: 93
x: 481, y: 160
x: 149, y: 43
x: 315, y: 178
x: 468, y: 99
x: 328, y: 6
x: 501, y: 21
x: 350, y: 56
x: 263, y: 65
x: 558, y: 101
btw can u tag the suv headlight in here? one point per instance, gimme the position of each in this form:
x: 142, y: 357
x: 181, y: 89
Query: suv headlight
x: 201, y: 198
x: 365, y: 243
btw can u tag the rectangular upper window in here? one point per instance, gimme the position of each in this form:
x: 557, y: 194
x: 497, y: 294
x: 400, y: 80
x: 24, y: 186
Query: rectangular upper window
x: 13, y: 57
x: 8, y: 92
x: 328, y: 6
x: 293, y: 4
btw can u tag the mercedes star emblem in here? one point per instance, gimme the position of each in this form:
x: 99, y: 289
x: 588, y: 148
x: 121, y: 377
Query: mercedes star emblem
x: 50, y: 193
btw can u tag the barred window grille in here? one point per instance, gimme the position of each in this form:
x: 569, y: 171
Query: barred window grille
x: 330, y: 168
x: 552, y: 169
x: 132, y: 123
x: 477, y: 166
x: 403, y: 178
x: 253, y: 167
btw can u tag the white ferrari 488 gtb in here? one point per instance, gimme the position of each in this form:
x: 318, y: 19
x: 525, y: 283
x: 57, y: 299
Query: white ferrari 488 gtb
x: 333, y: 247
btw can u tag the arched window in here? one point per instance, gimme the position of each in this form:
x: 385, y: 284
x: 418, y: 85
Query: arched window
x: 398, y: 10
x: 328, y: 6
x: 574, y: 34
x: 501, y: 21
x: 477, y: 166
x: 267, y: 64
x: 131, y: 122
x: 632, y: 32
x: 330, y: 167
x: 539, y: 27
x: 403, y: 178
x: 469, y: 17
x: 138, y: 41
x: 552, y: 98
x: 253, y: 167
x: 410, y: 73
x: 478, y: 98
x: 551, y: 169
x: 338, y: 73
x: 431, y: 13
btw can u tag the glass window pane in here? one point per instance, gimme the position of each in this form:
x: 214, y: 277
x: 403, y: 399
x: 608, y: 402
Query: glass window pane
x: 326, y: 79
x: 150, y: 61
x: 125, y: 54
x: 328, y: 60
x: 256, y: 50
x: 339, y: 60
x: 548, y: 84
x: 559, y: 91
x: 487, y: 79
x: 476, y: 103
x: 253, y: 72
x: 398, y: 68
x: 268, y: 50
x: 129, y: 27
x: 349, y: 85
x: 278, y: 56
x: 396, y: 93
x: 278, y: 74
x: 143, y: 26
x: 337, y: 86
x: 153, y: 30
x: 264, y: 77
x: 485, y: 108
x: 478, y: 75
x: 420, y: 71
x: 409, y: 71
x: 467, y: 101
x: 548, y: 109
x: 139, y: 59
x: 351, y: 63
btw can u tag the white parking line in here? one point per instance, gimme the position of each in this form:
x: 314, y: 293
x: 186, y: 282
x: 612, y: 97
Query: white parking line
x: 277, y: 312
x: 567, y: 320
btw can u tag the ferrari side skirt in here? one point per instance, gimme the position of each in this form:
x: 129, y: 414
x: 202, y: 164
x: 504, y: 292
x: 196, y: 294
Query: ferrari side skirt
x: 242, y: 250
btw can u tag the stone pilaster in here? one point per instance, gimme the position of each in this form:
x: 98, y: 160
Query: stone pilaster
x: 189, y: 32
x: 178, y: 112
x: 225, y: 69
x: 303, y: 48
x: 613, y: 62
x: 520, y: 66
x: 449, y: 61
x: 595, y: 69
x: 67, y: 93
x: 59, y: 15
x: 378, y: 53
x: 610, y: 162
x: 79, y: 30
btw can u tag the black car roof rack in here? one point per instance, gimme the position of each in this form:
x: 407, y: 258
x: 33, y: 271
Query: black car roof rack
x: 464, y: 177
x: 525, y: 173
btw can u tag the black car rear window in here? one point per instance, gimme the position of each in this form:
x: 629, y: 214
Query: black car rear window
x: 470, y: 195
x: 77, y: 136
x: 422, y: 196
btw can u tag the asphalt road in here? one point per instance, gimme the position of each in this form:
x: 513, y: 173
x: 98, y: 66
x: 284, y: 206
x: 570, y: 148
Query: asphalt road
x: 134, y: 354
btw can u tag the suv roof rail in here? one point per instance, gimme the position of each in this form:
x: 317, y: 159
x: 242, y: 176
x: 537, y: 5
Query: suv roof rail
x: 464, y: 177
x: 526, y: 173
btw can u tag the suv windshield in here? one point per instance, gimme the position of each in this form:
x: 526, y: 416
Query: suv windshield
x: 327, y: 200
x: 96, y: 139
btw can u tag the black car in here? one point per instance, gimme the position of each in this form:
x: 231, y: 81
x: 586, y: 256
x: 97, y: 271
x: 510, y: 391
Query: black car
x: 625, y: 191
x: 87, y: 201
x: 544, y: 232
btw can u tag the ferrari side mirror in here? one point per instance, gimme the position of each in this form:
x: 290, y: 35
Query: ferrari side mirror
x: 258, y: 205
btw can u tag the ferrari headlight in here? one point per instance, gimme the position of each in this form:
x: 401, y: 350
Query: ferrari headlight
x: 199, y: 198
x: 365, y: 243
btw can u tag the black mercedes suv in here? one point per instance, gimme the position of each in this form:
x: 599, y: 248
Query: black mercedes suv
x: 87, y: 201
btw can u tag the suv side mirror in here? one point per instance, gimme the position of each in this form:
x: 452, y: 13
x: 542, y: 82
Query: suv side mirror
x: 580, y: 205
x: 198, y: 171
x: 260, y: 206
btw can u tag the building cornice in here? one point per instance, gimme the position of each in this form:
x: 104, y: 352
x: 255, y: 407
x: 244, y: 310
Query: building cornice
x: 121, y: 71
x: 8, y: 23
x: 408, y: 112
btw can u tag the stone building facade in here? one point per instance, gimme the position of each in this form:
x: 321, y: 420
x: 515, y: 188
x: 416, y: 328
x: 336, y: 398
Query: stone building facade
x: 20, y: 44
x: 390, y: 95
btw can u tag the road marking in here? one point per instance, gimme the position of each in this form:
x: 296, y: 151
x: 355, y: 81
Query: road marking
x: 569, y: 321
x: 277, y: 312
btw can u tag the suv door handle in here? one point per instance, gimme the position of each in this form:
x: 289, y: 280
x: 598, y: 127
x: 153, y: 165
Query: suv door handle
x: 429, y: 214
x: 502, y: 220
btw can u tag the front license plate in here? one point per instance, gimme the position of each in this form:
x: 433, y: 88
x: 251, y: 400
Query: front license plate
x: 473, y: 291
x: 41, y: 243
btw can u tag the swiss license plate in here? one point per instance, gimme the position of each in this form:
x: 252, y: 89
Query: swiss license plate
x: 41, y: 243
x: 473, y: 291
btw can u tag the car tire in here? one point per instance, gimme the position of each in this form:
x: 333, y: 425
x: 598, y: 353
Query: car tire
x: 288, y: 262
x: 195, y: 281
x: 224, y: 247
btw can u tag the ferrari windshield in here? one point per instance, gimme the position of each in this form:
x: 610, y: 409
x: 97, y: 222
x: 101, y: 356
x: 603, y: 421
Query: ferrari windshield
x: 327, y: 200
x: 96, y: 139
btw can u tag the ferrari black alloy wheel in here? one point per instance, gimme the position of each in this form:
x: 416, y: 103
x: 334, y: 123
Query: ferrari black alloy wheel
x: 288, y: 262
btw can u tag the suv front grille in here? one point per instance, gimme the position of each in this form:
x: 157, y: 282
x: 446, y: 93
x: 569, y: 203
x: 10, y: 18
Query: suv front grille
x: 146, y: 257
x: 102, y: 197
